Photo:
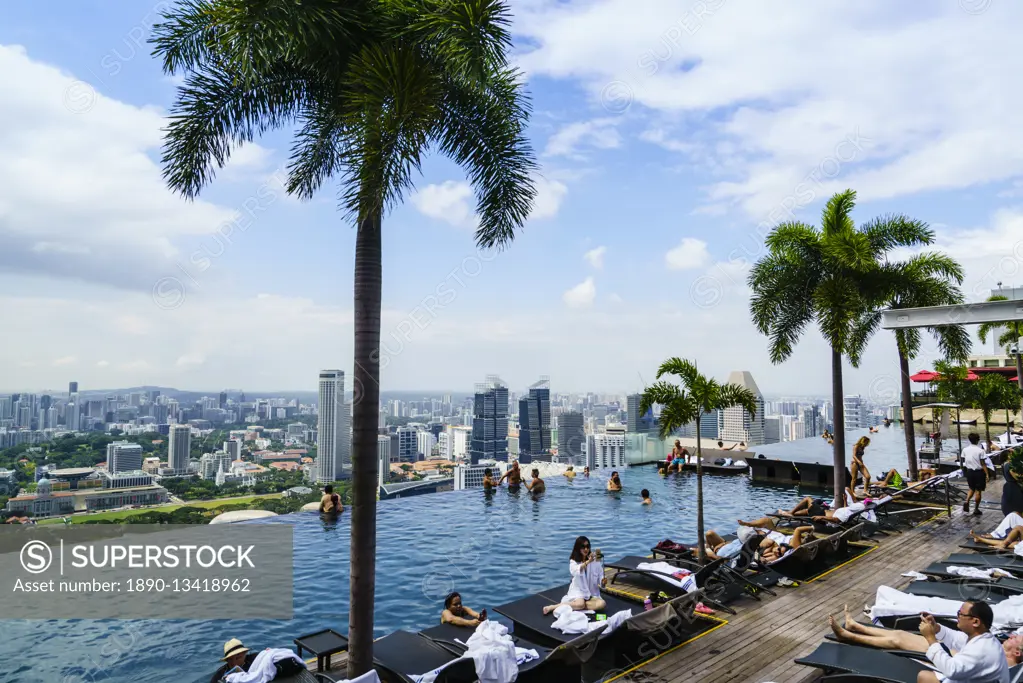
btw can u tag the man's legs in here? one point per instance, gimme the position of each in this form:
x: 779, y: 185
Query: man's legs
x: 762, y: 523
x: 883, y: 639
x: 802, y: 507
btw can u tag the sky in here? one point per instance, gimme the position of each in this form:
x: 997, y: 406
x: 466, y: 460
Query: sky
x: 671, y: 136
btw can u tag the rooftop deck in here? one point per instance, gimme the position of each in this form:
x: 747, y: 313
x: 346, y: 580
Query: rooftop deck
x: 760, y: 642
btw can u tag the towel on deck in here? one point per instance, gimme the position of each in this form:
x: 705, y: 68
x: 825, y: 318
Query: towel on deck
x: 264, y: 666
x: 493, y: 652
x: 569, y: 621
x: 977, y: 572
x: 680, y: 578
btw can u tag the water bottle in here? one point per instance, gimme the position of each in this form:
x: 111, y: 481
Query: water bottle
x: 648, y: 604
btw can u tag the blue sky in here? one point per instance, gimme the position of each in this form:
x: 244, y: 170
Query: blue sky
x: 670, y: 135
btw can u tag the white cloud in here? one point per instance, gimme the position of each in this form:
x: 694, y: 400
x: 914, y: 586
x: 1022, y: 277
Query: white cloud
x: 582, y: 295
x: 448, y: 202
x: 102, y: 363
x: 64, y: 360
x: 689, y: 254
x: 549, y: 195
x: 81, y: 196
x: 892, y: 112
x: 595, y: 257
x: 597, y: 133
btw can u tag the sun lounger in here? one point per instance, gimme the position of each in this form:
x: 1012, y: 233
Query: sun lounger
x: 984, y: 591
x: 719, y: 582
x: 837, y: 661
x: 940, y: 570
x: 812, y: 558
x: 399, y: 656
x: 1011, y: 563
x: 561, y: 663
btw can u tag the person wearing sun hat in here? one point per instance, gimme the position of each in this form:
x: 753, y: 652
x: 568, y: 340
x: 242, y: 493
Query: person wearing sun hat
x: 235, y: 655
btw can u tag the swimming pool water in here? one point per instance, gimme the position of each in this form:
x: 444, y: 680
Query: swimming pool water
x: 492, y: 549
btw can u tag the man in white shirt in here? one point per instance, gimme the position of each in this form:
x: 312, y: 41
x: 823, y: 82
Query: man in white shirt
x: 979, y: 656
x: 976, y: 472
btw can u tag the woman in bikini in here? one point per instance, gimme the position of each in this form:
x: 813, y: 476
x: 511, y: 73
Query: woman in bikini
x: 858, y: 468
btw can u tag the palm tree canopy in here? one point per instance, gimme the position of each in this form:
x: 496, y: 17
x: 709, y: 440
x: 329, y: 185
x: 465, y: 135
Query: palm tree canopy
x: 1008, y: 333
x: 684, y: 403
x: 832, y: 275
x: 369, y: 86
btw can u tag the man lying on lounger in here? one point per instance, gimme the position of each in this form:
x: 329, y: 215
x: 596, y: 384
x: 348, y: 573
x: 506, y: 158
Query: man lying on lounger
x: 894, y: 478
x: 894, y: 639
x: 775, y: 546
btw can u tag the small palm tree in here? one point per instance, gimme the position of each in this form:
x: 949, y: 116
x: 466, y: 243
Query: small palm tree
x: 831, y: 277
x: 685, y: 403
x: 370, y: 86
x: 1007, y: 335
x: 990, y: 393
x: 929, y: 279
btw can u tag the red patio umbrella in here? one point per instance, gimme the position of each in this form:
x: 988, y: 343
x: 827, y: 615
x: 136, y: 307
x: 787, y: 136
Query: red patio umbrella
x: 1014, y: 379
x: 971, y: 376
x: 925, y: 376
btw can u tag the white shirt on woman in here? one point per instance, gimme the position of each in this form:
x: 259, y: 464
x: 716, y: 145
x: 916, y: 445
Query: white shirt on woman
x: 585, y: 581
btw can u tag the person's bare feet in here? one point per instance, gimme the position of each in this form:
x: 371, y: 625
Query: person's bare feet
x: 850, y: 623
x: 840, y: 632
x: 550, y: 608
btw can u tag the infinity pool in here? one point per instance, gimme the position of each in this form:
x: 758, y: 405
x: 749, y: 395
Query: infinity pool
x: 490, y: 548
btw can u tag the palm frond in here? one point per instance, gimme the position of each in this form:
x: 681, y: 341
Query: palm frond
x: 885, y: 233
x: 836, y: 217
x: 681, y: 368
x: 736, y: 395
x: 863, y: 329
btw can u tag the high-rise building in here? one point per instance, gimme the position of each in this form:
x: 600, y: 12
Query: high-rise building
x: 634, y: 422
x: 772, y: 429
x: 425, y: 441
x: 72, y: 388
x: 571, y: 438
x: 179, y: 447
x: 535, y: 425
x: 408, y: 443
x: 856, y: 414
x: 223, y: 400
x: 72, y: 416
x: 605, y: 451
x: 384, y: 457
x: 233, y: 448
x: 333, y: 447
x: 124, y: 456
x: 811, y: 418
x: 710, y: 424
x: 737, y: 424
x: 6, y: 412
x: 490, y: 422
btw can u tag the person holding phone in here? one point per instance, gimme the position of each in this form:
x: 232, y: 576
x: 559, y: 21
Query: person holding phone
x: 587, y: 572
x: 979, y: 656
x: 458, y: 614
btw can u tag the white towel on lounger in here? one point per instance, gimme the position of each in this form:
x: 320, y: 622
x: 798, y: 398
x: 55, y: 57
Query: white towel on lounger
x: 569, y: 621
x: 264, y: 666
x: 977, y: 572
x: 1011, y: 520
x: 686, y: 583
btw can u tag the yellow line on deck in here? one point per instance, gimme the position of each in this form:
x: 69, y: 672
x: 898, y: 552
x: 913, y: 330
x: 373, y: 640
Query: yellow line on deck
x: 669, y: 651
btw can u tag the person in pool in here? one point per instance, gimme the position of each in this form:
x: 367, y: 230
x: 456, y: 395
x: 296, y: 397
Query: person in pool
x: 645, y: 495
x: 514, y: 477
x: 570, y: 473
x: 721, y: 446
x: 587, y: 580
x: 330, y: 503
x: 458, y: 614
x: 586, y: 471
x: 536, y: 486
x: 488, y: 481
x: 614, y: 483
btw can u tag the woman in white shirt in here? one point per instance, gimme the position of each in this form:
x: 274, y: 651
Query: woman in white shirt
x: 587, y: 578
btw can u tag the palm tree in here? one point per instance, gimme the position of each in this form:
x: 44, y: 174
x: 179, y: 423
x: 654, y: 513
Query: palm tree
x: 830, y: 276
x: 684, y: 403
x: 1008, y: 334
x: 929, y: 279
x: 990, y: 393
x: 370, y: 86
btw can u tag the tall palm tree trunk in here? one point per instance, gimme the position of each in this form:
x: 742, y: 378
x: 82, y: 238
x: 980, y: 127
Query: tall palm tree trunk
x: 907, y: 417
x: 837, y: 396
x: 365, y: 413
x: 701, y: 544
x: 987, y: 428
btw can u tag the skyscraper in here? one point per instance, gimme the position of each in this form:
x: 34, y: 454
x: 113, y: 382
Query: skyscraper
x: 333, y: 447
x: 856, y: 416
x: 233, y: 448
x: 535, y: 425
x: 72, y: 388
x: 223, y: 400
x: 737, y: 424
x: 179, y: 447
x: 123, y: 456
x: 490, y: 422
x: 571, y: 438
x: 634, y: 422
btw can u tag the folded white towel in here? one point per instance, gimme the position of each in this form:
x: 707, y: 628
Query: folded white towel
x: 667, y: 572
x: 569, y: 621
x: 495, y: 654
x: 263, y: 667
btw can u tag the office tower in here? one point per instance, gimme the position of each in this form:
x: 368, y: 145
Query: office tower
x: 124, y: 456
x: 490, y: 421
x: 159, y: 413
x: 772, y: 429
x: 571, y: 438
x: 384, y: 457
x: 6, y: 405
x: 233, y: 448
x: 72, y: 416
x: 811, y: 418
x: 856, y: 416
x: 535, y: 424
x: 223, y: 400
x: 72, y: 388
x: 425, y: 441
x: 408, y: 444
x: 737, y: 424
x: 446, y: 445
x: 636, y: 423
x: 45, y: 401
x: 179, y: 447
x: 135, y: 398
x: 605, y: 451
x: 333, y: 448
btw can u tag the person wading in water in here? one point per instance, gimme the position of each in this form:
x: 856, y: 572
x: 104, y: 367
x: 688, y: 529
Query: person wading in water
x: 514, y: 477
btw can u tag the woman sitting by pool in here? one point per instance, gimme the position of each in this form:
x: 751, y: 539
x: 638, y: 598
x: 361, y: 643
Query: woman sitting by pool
x: 587, y: 579
x: 614, y: 483
x: 458, y: 614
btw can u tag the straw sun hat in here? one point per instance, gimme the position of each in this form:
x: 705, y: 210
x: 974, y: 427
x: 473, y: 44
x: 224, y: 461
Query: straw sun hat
x: 233, y: 647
